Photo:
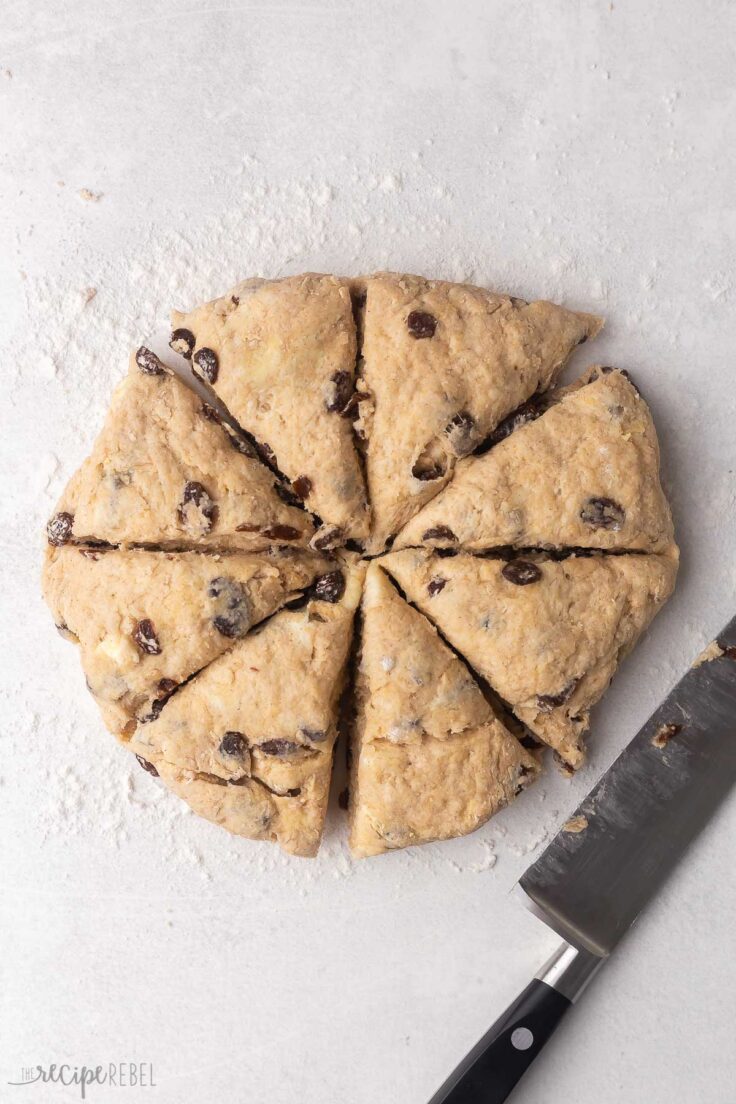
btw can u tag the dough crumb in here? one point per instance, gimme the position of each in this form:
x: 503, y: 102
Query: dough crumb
x: 88, y: 294
x: 90, y: 197
x: 713, y: 651
x: 664, y: 734
x: 575, y: 825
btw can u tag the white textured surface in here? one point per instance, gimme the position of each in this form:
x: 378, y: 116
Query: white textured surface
x: 581, y: 151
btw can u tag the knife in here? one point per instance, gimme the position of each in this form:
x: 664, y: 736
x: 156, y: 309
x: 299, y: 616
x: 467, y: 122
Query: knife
x: 600, y: 870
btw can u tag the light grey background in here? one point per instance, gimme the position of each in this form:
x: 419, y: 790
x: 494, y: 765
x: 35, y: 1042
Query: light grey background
x: 577, y: 150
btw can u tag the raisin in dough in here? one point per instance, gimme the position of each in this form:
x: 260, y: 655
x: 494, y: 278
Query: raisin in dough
x: 583, y: 474
x: 146, y: 621
x: 443, y: 364
x: 547, y: 636
x: 163, y: 472
x: 249, y: 742
x: 281, y: 356
x: 430, y: 760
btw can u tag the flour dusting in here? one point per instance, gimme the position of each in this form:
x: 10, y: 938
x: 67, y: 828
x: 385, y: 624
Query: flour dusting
x: 73, y: 338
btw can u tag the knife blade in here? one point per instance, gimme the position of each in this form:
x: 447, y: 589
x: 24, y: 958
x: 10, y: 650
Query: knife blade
x: 594, y: 878
x: 590, y: 884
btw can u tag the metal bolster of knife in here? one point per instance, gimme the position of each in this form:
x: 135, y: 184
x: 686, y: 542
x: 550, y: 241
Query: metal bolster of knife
x: 569, y: 970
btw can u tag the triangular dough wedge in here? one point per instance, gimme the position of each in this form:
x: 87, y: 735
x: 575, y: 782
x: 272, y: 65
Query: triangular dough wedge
x: 165, y: 471
x: 547, y: 635
x: 443, y: 365
x: 146, y: 621
x: 281, y: 355
x: 430, y: 760
x: 248, y: 742
x: 584, y: 474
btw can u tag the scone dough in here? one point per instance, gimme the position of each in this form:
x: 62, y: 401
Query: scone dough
x: 430, y: 759
x: 547, y: 635
x: 248, y: 742
x: 281, y: 356
x: 199, y: 557
x: 583, y: 474
x: 165, y: 472
x: 146, y: 621
x: 442, y: 365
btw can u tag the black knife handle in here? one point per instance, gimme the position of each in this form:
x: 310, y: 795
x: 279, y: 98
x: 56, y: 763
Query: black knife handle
x: 496, y: 1063
x: 489, y: 1073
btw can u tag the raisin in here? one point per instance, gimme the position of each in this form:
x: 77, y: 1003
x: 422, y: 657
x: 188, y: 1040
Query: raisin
x: 279, y: 747
x: 314, y: 735
x: 281, y: 533
x: 606, y: 370
x: 603, y: 513
x: 352, y: 407
x: 302, y: 486
x: 210, y: 414
x: 148, y: 362
x: 59, y: 529
x: 729, y: 650
x: 326, y: 538
x: 562, y: 765
x: 286, y: 494
x: 435, y: 585
x: 439, y: 532
x: 340, y: 393
x: 421, y: 324
x: 426, y: 470
x: 240, y: 444
x: 147, y: 766
x: 232, y: 615
x: 182, y: 342
x: 329, y: 587
x: 524, y: 772
x: 460, y: 433
x: 527, y: 412
x: 206, y: 365
x: 145, y: 637
x: 196, y: 511
x: 343, y: 798
x: 548, y: 702
x: 529, y: 741
x: 165, y: 688
x: 267, y: 454
x: 583, y: 339
x: 521, y: 572
x: 153, y: 713
x: 233, y: 744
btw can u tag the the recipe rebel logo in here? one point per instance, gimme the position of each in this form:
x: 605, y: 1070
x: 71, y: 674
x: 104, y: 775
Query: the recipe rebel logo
x: 117, y: 1075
